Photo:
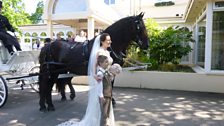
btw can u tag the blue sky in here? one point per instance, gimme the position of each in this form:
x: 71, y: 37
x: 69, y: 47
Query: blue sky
x: 30, y: 5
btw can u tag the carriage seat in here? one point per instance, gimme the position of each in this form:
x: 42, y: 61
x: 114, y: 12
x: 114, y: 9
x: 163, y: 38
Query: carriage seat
x: 21, y: 61
x: 4, y: 55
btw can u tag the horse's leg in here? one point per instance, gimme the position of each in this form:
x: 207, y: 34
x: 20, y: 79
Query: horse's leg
x: 43, y: 79
x: 72, y: 90
x: 61, y: 88
x: 52, y: 80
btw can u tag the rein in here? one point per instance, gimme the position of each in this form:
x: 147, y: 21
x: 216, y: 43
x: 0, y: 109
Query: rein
x: 135, y: 64
x: 120, y: 58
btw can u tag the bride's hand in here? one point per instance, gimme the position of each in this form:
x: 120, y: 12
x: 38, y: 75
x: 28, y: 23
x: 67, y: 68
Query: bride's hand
x: 98, y: 78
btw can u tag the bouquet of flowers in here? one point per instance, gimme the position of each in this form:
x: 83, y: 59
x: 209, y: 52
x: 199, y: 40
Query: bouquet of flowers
x: 115, y: 69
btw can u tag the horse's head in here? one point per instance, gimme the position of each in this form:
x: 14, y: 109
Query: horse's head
x: 124, y: 31
x: 139, y: 32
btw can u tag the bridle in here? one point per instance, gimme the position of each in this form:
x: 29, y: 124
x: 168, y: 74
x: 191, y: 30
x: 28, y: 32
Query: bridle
x: 137, y: 38
x: 118, y: 57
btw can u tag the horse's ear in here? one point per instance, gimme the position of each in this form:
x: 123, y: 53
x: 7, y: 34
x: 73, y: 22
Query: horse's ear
x: 141, y: 15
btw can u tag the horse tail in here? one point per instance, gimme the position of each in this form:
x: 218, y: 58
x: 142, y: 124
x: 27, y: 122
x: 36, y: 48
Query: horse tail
x: 60, y: 84
x: 42, y: 59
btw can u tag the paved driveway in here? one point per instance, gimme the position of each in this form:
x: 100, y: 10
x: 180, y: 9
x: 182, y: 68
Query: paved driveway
x: 135, y: 107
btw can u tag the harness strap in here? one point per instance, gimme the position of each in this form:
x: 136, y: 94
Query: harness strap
x: 74, y: 45
x: 54, y: 63
x: 85, y: 49
x: 120, y: 58
x: 135, y: 64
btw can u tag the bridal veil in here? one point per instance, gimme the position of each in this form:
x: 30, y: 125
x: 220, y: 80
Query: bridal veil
x: 93, y: 111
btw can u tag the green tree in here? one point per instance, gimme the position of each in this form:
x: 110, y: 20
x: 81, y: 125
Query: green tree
x: 15, y: 12
x: 36, y: 17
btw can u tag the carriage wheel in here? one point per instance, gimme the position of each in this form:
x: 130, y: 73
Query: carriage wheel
x: 3, y: 91
x: 33, y: 81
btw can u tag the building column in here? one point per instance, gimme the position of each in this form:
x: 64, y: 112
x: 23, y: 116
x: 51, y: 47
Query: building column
x: 91, y: 27
x: 31, y: 43
x: 22, y: 40
x: 208, y: 40
x: 196, y: 43
x: 49, y: 29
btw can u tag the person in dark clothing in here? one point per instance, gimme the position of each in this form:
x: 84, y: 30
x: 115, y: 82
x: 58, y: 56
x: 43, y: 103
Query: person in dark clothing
x: 59, y: 38
x: 8, y: 40
x: 47, y: 41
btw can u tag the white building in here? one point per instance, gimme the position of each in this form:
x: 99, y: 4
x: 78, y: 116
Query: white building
x: 75, y: 15
x: 203, y: 17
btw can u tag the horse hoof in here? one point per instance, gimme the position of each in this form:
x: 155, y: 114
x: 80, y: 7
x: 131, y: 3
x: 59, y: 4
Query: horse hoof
x: 43, y: 109
x: 114, y: 105
x: 51, y: 109
x: 72, y: 96
x: 63, y: 99
x: 113, y: 102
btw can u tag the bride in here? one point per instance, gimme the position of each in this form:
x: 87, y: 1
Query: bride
x: 92, y: 116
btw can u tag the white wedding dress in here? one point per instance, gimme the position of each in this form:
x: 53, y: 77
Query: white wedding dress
x: 92, y: 116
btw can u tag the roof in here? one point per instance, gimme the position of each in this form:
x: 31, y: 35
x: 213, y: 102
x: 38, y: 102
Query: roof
x: 194, y: 8
x: 97, y: 9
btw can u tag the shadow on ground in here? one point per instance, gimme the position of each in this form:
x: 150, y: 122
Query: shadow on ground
x: 135, y: 107
x: 168, y: 108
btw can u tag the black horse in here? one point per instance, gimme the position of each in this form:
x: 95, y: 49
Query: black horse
x: 62, y: 57
x: 61, y: 84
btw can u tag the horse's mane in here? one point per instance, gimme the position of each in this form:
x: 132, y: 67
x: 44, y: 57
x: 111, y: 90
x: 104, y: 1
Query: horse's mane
x: 120, y: 23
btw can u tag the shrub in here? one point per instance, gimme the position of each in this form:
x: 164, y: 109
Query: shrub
x: 171, y: 45
x: 166, y: 45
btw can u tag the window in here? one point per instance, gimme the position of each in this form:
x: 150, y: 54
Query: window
x: 43, y: 34
x: 27, y: 40
x: 218, y: 41
x: 27, y: 34
x: 201, y: 43
x: 160, y: 3
x: 69, y: 33
x: 218, y: 5
x: 69, y: 6
x: 34, y: 34
x: 62, y: 33
x: 108, y: 2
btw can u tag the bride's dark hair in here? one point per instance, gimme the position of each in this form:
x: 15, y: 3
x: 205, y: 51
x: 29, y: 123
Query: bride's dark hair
x: 103, y: 37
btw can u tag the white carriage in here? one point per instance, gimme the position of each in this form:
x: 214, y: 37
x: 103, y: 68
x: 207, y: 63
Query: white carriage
x: 20, y: 68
